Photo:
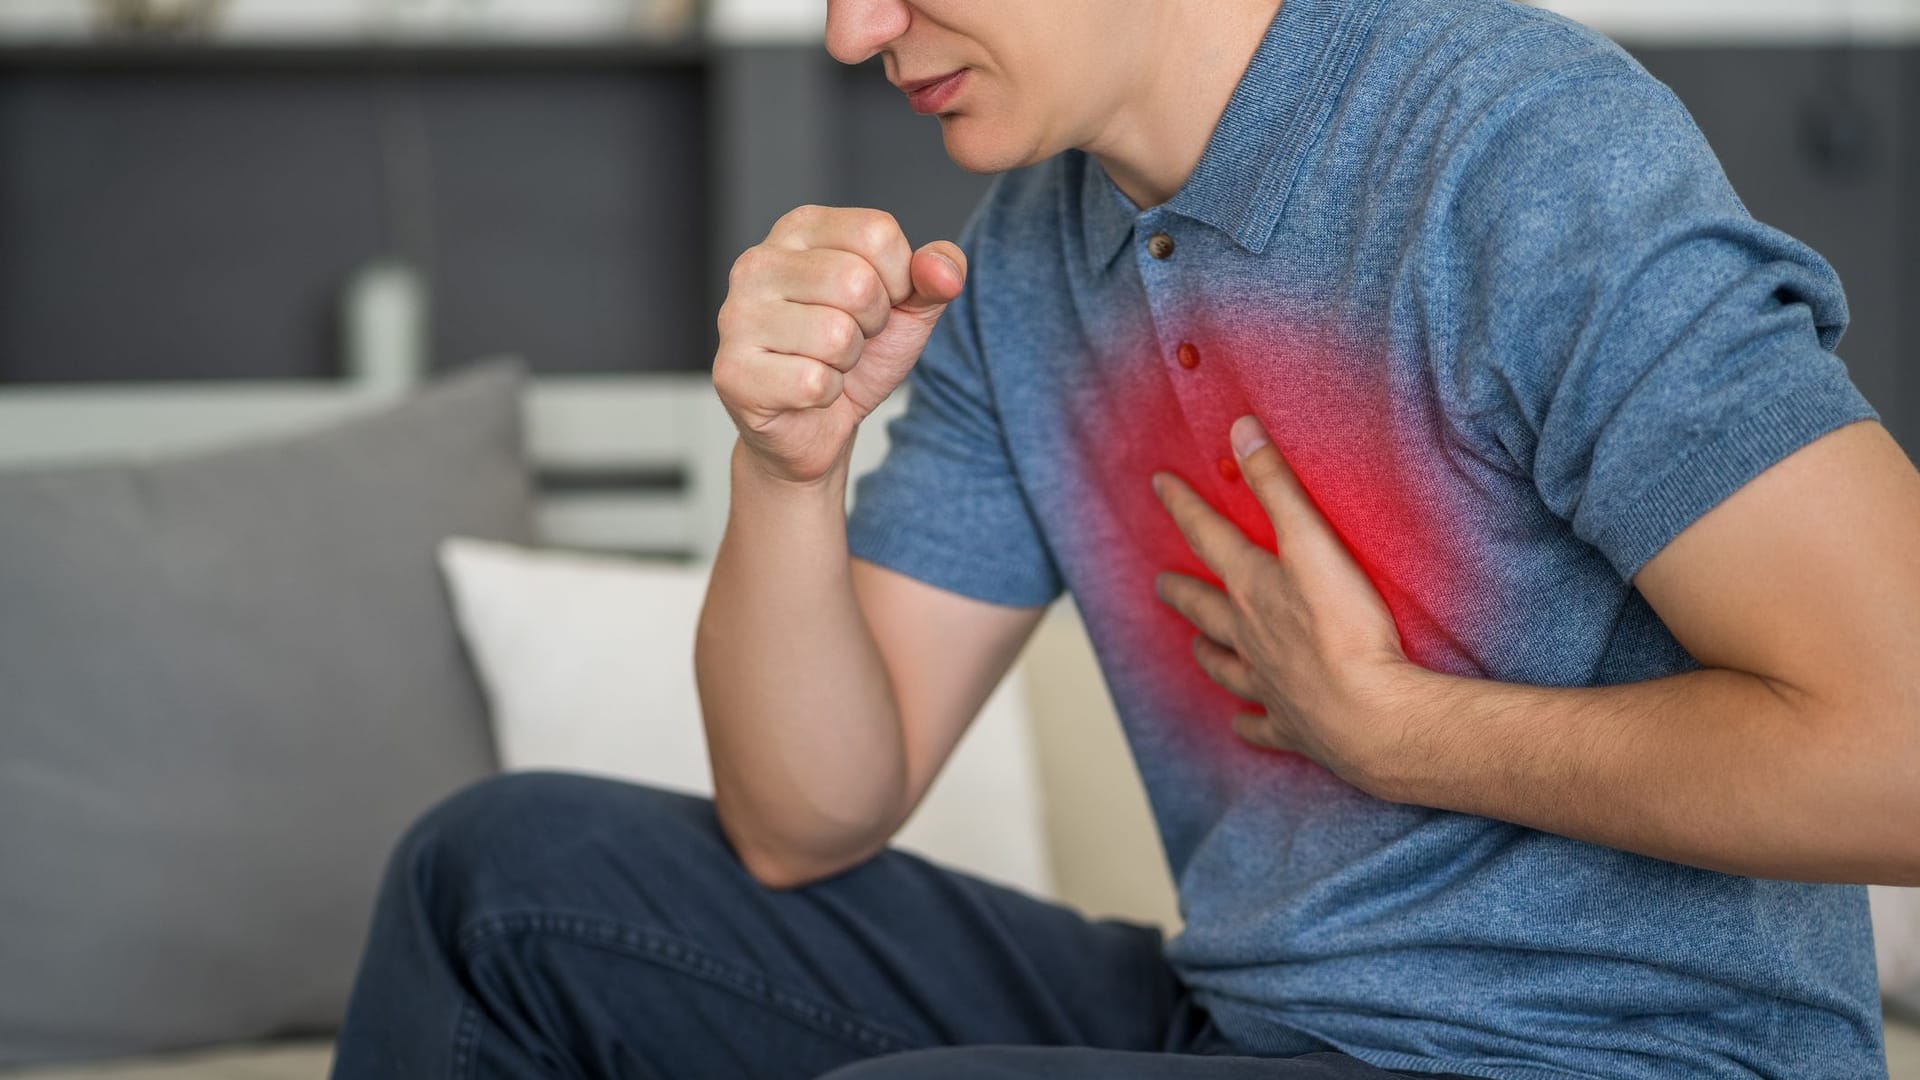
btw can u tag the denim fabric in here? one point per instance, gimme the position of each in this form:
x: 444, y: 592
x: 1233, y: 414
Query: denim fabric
x: 1488, y: 288
x: 543, y: 926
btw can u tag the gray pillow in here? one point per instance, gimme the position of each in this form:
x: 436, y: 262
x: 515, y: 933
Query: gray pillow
x: 227, y: 684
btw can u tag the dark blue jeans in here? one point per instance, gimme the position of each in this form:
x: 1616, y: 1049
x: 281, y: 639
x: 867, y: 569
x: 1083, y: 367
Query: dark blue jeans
x: 541, y: 925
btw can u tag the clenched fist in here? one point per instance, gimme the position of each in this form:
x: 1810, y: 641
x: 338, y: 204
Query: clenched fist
x: 822, y: 320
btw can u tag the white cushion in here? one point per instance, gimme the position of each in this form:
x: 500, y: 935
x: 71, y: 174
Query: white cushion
x: 1896, y: 938
x: 587, y: 661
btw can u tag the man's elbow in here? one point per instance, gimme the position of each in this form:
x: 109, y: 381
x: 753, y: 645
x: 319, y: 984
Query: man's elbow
x: 1864, y: 733
x: 782, y: 873
x: 1909, y: 875
x: 1904, y: 869
x: 1907, y: 815
x: 780, y: 864
x: 1901, y: 739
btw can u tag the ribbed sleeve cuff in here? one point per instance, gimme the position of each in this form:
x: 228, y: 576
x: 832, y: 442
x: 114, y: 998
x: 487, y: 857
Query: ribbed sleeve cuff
x: 1696, y: 483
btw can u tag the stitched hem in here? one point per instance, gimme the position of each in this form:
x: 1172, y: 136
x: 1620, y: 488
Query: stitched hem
x: 672, y: 952
x: 466, y: 1041
x: 889, y: 540
x: 1651, y: 516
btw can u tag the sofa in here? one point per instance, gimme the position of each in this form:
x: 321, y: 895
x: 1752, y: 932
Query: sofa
x: 235, y: 674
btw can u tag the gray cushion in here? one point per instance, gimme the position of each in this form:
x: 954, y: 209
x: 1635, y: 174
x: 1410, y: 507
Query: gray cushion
x: 227, y: 684
x: 290, y: 1060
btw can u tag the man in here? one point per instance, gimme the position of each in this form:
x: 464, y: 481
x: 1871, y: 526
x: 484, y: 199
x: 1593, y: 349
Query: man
x: 1505, y: 592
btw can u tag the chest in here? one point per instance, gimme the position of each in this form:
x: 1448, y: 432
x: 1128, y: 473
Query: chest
x: 1144, y: 368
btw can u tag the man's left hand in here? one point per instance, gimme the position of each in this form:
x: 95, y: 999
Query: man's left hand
x: 1303, y: 633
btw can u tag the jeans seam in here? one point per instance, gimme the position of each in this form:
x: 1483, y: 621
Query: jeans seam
x: 674, y: 952
x: 466, y: 1040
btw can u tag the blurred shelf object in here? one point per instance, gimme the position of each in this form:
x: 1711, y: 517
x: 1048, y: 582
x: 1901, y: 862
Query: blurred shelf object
x: 384, y: 325
x: 767, y: 22
x: 158, y: 17
x: 322, y: 21
x: 1734, y: 22
x: 520, y: 20
x: 363, y: 55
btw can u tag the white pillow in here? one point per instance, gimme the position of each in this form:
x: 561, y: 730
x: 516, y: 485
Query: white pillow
x: 587, y: 661
x: 1896, y: 938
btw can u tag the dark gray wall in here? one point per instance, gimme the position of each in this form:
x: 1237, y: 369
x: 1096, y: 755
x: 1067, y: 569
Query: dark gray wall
x: 167, y: 219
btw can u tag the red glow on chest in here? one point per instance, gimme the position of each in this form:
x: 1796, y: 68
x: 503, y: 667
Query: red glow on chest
x: 1364, y: 448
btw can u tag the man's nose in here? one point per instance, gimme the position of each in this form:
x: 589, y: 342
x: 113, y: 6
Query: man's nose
x: 856, y: 29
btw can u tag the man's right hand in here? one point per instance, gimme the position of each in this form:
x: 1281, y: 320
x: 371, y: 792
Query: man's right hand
x: 822, y: 320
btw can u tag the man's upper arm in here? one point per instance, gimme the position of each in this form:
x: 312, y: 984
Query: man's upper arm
x: 1662, y: 368
x: 1624, y: 333
x: 1807, y: 575
x: 944, y: 653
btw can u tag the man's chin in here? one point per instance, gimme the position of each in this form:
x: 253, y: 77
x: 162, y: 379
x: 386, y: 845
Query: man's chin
x: 974, y: 145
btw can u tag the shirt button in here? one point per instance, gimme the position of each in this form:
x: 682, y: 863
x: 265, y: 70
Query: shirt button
x: 1159, y: 245
x: 1189, y: 356
x: 1229, y: 471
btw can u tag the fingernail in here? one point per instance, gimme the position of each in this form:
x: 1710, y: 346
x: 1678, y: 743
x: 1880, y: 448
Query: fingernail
x: 1248, y: 435
x: 1160, y: 586
x: 1159, y: 485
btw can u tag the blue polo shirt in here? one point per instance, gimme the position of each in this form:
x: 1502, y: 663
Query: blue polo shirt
x: 1488, y: 288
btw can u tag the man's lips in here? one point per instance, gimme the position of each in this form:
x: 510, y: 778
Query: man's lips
x: 914, y: 86
x: 931, y: 95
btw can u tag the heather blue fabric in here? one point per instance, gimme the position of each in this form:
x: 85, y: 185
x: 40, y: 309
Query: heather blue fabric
x: 1489, y: 289
x: 543, y: 925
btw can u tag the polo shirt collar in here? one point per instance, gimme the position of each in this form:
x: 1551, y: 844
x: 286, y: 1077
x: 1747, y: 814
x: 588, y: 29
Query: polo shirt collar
x: 1106, y: 214
x: 1278, y: 108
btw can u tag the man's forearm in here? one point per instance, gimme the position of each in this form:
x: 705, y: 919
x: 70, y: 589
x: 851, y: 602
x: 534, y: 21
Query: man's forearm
x: 805, y: 739
x: 1712, y: 768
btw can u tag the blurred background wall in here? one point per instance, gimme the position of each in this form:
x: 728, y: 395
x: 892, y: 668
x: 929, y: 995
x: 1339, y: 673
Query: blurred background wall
x: 570, y: 178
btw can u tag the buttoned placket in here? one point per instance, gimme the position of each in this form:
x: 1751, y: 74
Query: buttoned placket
x: 1164, y: 243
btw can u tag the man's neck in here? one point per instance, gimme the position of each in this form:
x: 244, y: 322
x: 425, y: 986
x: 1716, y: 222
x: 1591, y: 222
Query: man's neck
x: 1154, y: 141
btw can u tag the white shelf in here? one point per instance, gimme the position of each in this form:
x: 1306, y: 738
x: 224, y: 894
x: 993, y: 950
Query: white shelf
x: 1758, y: 22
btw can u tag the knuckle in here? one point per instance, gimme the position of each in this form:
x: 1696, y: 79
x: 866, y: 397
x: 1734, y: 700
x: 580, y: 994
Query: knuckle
x: 1242, y: 598
x: 877, y: 230
x: 746, y: 267
x: 841, y: 333
x: 796, y: 224
x: 1228, y: 636
x: 814, y: 382
x: 726, y: 377
x: 860, y: 287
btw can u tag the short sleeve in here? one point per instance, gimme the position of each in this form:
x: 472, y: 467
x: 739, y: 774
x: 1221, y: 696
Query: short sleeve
x: 945, y: 504
x: 1619, y: 325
